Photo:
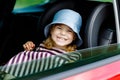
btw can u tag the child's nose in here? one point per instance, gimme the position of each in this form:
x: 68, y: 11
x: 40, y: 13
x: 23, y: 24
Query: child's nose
x: 63, y: 32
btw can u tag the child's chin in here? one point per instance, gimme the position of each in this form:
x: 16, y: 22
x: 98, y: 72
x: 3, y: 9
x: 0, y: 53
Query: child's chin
x: 61, y: 45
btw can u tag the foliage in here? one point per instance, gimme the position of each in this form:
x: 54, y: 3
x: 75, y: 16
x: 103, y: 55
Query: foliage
x: 26, y: 3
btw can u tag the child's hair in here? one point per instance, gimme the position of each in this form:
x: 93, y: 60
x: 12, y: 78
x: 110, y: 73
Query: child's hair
x: 49, y: 43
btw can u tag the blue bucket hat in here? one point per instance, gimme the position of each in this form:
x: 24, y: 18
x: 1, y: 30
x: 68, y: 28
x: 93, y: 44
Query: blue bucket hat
x: 69, y: 18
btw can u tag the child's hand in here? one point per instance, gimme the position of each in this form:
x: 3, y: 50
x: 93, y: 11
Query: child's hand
x: 29, y: 45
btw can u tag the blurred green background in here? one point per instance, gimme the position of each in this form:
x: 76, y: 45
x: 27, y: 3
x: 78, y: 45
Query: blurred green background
x: 26, y: 3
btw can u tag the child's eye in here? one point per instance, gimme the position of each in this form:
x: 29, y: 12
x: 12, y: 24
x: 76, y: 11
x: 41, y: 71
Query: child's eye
x: 69, y: 31
x: 58, y: 27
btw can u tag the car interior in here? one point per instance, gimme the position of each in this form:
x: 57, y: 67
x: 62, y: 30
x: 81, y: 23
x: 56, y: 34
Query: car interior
x: 98, y: 27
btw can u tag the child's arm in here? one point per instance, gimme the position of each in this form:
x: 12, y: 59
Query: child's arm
x: 29, y: 46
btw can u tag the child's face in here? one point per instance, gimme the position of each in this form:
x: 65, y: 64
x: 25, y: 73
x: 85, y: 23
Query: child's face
x: 62, y: 35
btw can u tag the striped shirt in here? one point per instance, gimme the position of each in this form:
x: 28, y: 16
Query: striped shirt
x: 30, y: 62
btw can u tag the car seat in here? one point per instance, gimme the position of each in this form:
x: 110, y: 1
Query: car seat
x: 100, y: 27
